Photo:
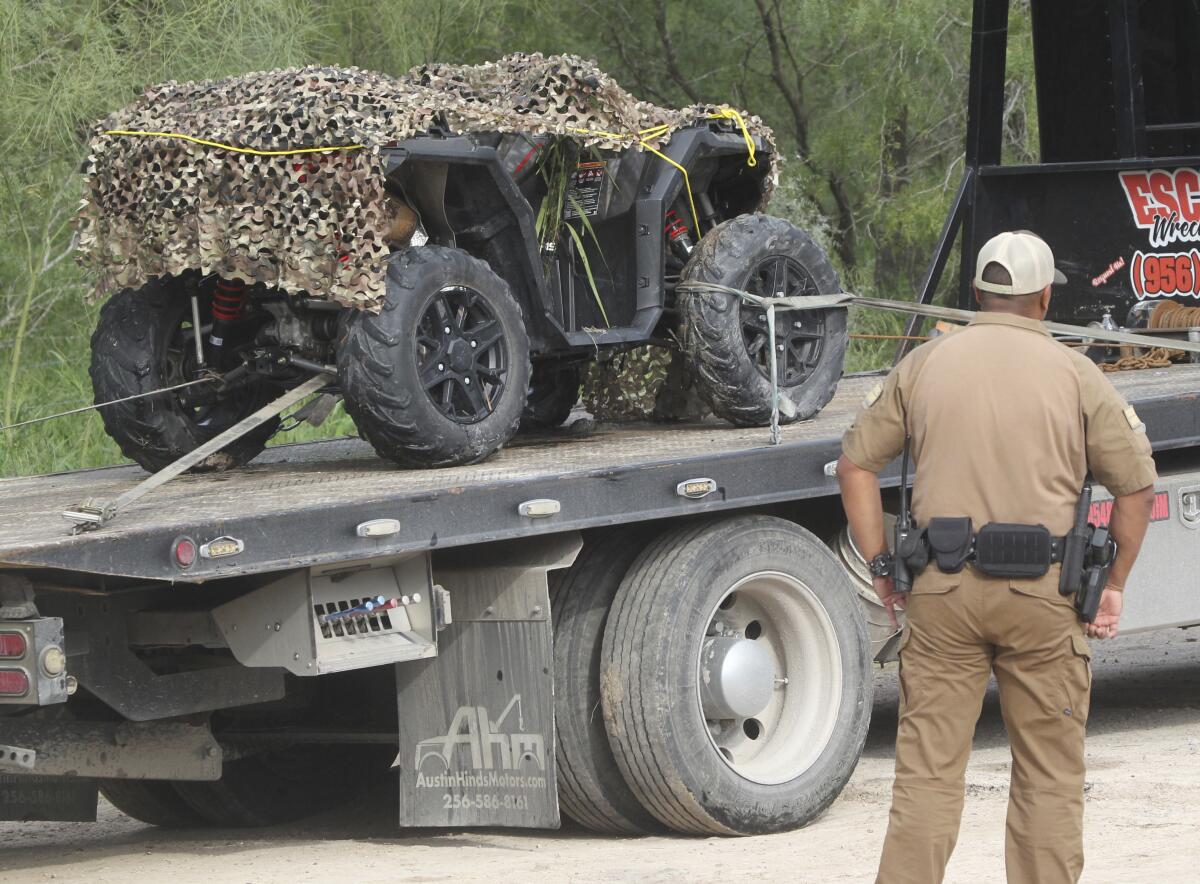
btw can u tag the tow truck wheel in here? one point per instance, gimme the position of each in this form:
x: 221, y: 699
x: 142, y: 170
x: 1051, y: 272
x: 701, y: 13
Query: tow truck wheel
x: 280, y: 786
x: 736, y: 677
x: 151, y: 801
x: 591, y: 788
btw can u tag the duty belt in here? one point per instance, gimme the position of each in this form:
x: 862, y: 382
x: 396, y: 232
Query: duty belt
x: 998, y: 549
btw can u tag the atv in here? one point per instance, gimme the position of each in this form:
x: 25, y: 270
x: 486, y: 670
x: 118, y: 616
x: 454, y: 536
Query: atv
x: 514, y: 259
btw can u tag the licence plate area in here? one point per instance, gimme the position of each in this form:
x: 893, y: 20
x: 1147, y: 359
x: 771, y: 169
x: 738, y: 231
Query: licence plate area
x: 25, y: 798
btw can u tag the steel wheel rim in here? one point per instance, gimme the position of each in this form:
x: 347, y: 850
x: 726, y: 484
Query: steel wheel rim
x: 799, y: 334
x: 461, y: 354
x: 798, y: 722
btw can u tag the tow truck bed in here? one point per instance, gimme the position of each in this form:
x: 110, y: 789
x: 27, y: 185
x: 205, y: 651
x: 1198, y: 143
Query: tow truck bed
x: 299, y: 505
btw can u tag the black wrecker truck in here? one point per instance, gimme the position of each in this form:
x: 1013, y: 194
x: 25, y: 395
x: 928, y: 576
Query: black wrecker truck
x: 654, y: 626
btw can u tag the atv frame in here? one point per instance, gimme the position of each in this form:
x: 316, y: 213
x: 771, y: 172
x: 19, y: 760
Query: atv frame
x: 495, y: 222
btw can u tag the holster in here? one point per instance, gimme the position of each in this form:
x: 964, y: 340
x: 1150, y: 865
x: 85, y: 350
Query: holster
x: 1098, y: 558
x: 912, y: 555
x: 950, y: 542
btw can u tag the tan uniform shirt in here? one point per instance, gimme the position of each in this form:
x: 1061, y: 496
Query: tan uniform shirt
x: 1005, y: 422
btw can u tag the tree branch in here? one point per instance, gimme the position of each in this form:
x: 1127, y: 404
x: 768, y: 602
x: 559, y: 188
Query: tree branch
x: 672, y: 64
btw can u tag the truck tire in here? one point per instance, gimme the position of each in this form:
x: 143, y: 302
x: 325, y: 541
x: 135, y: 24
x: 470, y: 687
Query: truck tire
x: 591, y: 788
x: 141, y: 344
x: 726, y: 338
x: 448, y: 322
x: 281, y: 786
x: 705, y: 625
x: 553, y: 392
x: 155, y: 802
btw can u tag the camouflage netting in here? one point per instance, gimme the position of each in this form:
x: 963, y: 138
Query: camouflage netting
x: 314, y: 222
x: 645, y: 383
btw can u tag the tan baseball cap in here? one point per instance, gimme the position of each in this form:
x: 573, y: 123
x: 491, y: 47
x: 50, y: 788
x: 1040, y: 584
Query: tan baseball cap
x: 1026, y: 257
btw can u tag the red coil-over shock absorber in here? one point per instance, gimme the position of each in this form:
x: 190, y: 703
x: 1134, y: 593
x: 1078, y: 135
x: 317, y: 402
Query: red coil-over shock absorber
x: 678, y: 235
x: 227, y: 303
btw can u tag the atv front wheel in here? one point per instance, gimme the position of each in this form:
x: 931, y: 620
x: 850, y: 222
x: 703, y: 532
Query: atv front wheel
x: 440, y: 375
x: 143, y: 342
x: 726, y: 338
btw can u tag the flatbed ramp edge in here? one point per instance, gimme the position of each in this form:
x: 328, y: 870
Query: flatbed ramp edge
x: 299, y: 505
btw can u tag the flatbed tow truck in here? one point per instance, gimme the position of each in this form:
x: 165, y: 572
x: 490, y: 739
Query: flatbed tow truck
x: 650, y: 626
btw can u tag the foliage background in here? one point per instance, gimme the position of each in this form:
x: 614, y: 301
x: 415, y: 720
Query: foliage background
x: 867, y: 98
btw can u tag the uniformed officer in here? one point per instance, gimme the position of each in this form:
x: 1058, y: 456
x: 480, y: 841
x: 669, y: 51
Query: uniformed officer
x: 1005, y: 423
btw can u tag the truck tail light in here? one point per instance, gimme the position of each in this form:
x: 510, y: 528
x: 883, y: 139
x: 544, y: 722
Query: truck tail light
x: 184, y: 552
x: 13, y: 683
x: 13, y: 644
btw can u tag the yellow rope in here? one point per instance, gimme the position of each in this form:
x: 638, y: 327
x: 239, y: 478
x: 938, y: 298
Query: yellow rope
x: 234, y: 147
x: 644, y: 136
x: 687, y: 182
x: 728, y: 113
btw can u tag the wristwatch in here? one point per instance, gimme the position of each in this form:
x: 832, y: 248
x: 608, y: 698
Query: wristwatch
x: 883, y: 565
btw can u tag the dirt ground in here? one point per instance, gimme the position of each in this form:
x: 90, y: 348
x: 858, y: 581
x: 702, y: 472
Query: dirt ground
x: 1142, y: 822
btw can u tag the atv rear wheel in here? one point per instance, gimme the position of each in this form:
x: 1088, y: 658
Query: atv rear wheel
x: 143, y: 342
x: 726, y: 338
x: 440, y: 375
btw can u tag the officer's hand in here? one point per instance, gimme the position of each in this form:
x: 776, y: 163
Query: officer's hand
x: 1107, y: 615
x: 886, y: 590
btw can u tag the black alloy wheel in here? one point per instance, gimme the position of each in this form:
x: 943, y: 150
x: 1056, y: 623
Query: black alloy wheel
x: 726, y: 338
x: 462, y: 356
x: 799, y: 335
x: 440, y: 375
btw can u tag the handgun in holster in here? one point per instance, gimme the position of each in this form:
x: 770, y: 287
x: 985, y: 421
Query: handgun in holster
x: 1101, y: 551
x: 1088, y: 553
x: 910, y: 550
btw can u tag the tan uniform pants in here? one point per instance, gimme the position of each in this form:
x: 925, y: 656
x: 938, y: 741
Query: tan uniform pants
x: 960, y: 629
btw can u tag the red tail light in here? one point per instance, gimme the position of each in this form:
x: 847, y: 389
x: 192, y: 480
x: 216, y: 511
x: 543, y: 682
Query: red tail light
x: 184, y: 552
x: 13, y: 683
x: 12, y: 644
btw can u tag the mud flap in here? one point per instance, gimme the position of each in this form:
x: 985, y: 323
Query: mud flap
x: 25, y: 798
x: 477, y: 722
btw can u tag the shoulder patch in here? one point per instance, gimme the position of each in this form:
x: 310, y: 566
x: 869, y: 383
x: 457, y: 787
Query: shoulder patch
x: 1135, y: 422
x: 873, y: 395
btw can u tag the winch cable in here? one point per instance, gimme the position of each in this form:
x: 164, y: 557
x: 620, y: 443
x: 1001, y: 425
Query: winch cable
x: 91, y: 514
x: 1166, y: 315
x: 1057, y: 328
x: 97, y: 405
x: 845, y: 299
